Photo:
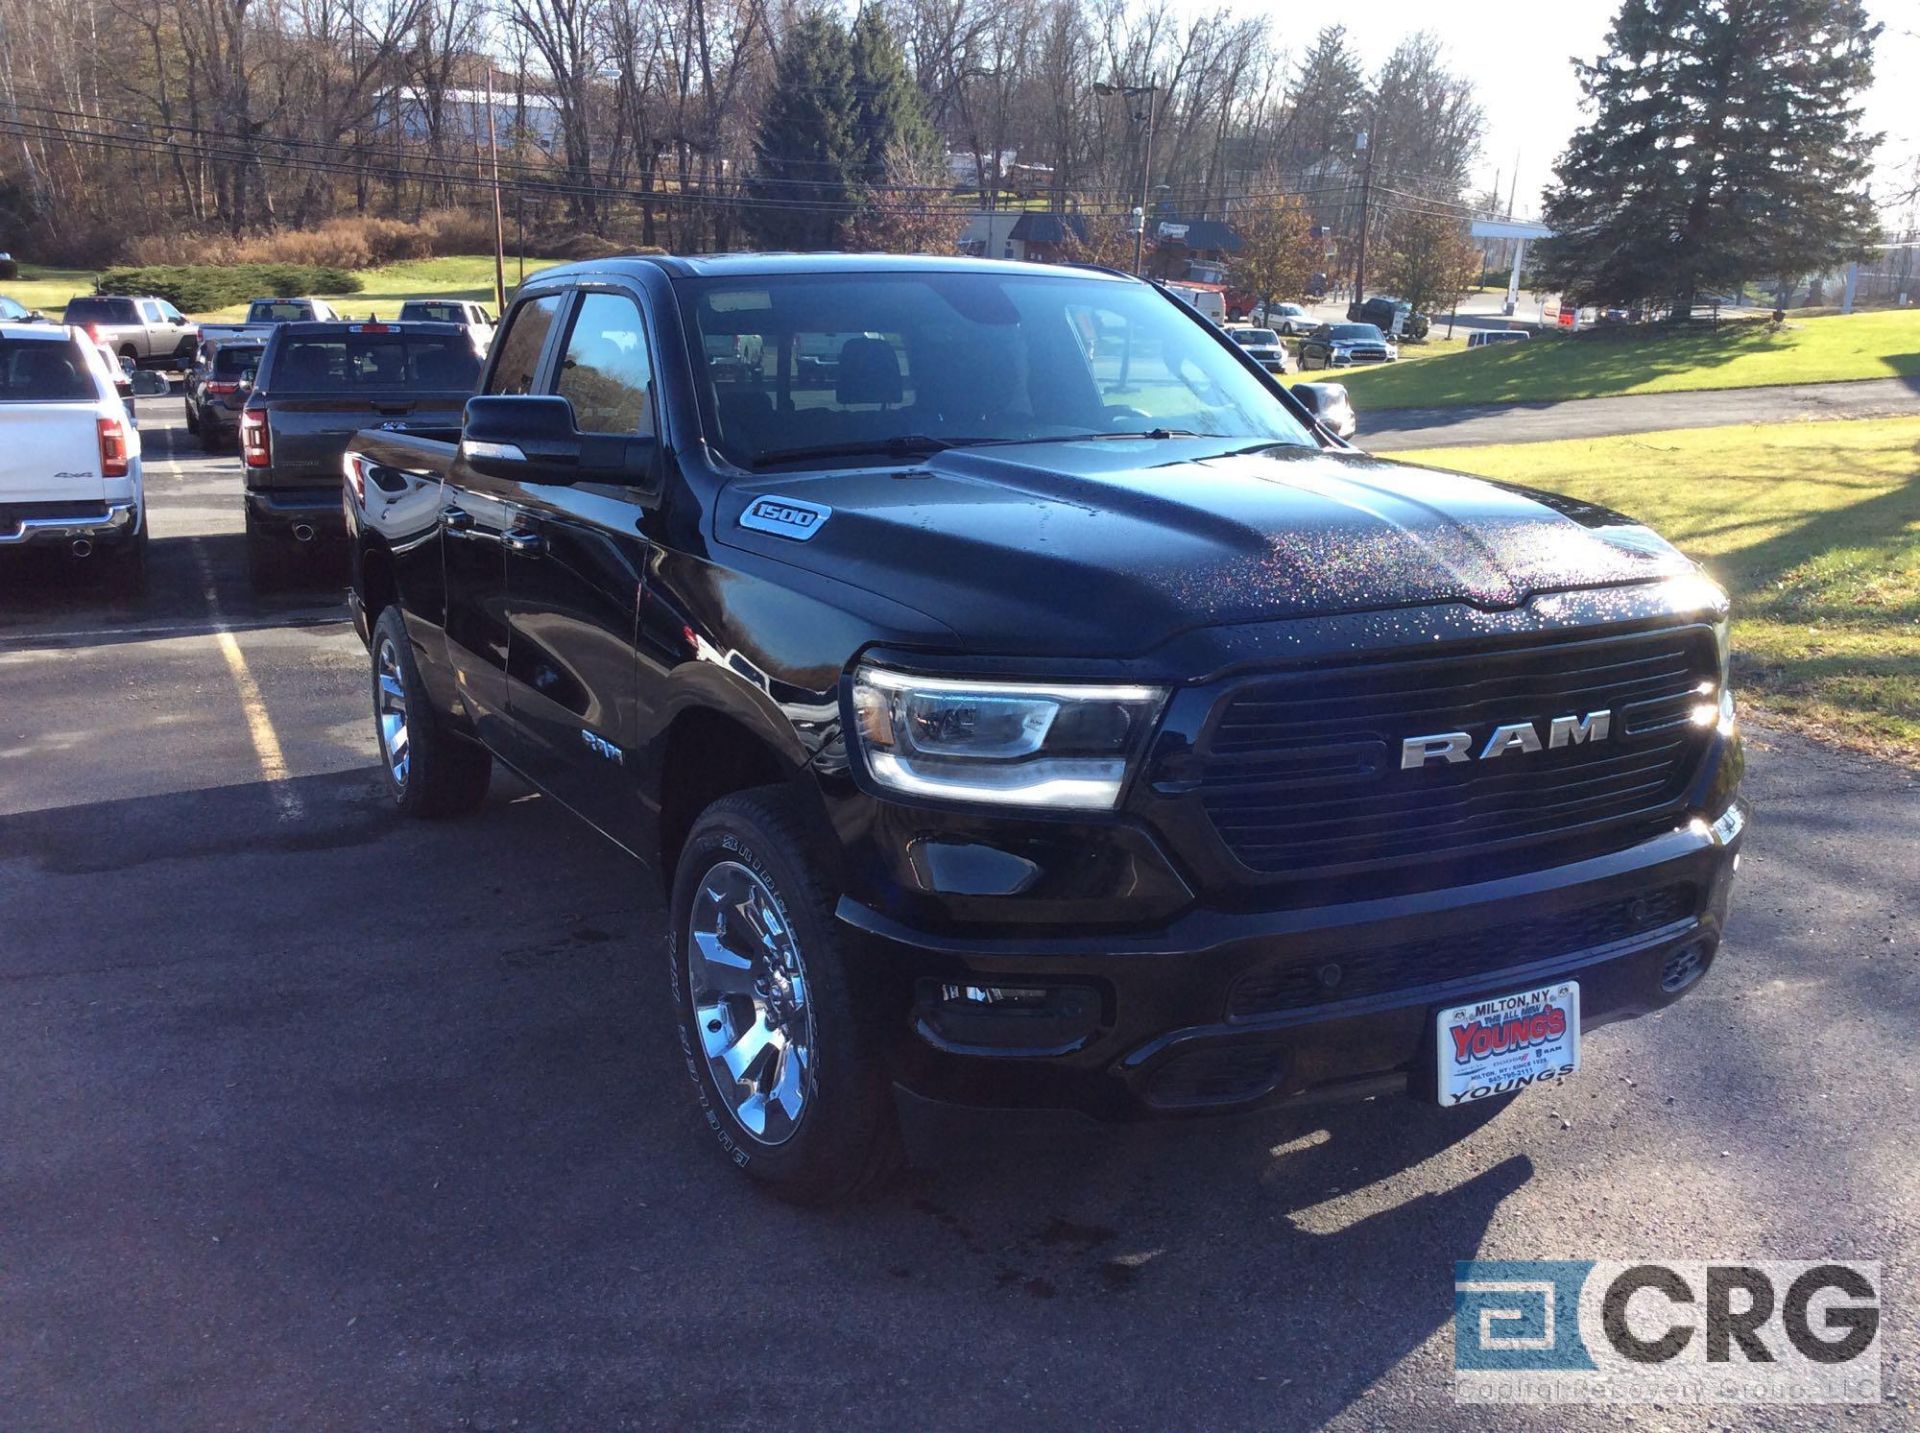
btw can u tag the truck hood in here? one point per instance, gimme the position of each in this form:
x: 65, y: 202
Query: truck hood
x: 1111, y: 547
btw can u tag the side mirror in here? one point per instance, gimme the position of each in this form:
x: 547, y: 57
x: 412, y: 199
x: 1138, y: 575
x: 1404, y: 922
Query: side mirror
x: 149, y: 384
x: 528, y: 438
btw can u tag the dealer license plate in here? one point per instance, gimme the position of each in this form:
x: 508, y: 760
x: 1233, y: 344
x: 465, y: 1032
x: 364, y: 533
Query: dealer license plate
x: 1493, y: 1046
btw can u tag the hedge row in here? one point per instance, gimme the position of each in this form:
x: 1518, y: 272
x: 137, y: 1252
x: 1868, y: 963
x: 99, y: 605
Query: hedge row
x: 196, y: 288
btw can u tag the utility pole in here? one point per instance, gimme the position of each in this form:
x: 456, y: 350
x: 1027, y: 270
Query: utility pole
x: 1134, y: 92
x: 499, y: 226
x: 1366, y: 193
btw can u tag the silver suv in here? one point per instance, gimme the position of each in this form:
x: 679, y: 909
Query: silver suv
x: 150, y: 331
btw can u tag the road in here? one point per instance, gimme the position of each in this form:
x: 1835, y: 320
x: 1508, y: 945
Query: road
x: 309, y: 1117
x: 1388, y: 430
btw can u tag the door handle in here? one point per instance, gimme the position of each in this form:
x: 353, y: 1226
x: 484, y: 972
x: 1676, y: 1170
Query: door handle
x: 524, y: 542
x: 456, y: 519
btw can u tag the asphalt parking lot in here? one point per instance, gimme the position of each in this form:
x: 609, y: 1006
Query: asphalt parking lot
x: 309, y: 1117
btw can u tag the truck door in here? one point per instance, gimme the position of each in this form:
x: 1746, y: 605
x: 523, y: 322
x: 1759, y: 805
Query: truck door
x: 475, y: 520
x: 575, y: 563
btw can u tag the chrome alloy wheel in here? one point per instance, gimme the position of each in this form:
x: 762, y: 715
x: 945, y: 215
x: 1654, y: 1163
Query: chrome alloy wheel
x: 749, y: 995
x: 390, y: 713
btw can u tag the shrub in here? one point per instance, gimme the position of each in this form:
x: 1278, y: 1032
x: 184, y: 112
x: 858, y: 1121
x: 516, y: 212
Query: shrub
x: 197, y: 288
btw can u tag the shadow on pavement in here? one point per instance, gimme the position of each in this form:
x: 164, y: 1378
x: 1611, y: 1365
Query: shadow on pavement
x: 352, y: 1120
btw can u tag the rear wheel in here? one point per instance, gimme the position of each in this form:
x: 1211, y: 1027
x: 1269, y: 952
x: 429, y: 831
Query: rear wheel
x: 779, y: 1049
x: 193, y: 421
x: 429, y: 771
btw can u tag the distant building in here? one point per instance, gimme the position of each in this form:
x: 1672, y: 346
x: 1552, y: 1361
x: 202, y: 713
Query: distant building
x: 464, y: 117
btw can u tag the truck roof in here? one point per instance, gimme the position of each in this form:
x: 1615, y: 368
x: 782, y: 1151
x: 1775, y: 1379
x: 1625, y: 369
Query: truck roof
x: 752, y: 265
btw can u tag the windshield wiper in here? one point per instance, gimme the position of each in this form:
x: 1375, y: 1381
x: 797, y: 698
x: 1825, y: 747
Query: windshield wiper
x: 902, y: 445
x: 1099, y: 436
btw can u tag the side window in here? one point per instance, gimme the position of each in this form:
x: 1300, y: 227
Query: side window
x: 150, y: 311
x: 170, y: 313
x: 606, y: 373
x: 520, y: 345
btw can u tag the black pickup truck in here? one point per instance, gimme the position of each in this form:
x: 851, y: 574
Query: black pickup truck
x: 1032, y: 706
x: 315, y: 386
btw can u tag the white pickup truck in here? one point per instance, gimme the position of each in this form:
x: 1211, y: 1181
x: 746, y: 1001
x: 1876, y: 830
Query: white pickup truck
x: 69, y: 454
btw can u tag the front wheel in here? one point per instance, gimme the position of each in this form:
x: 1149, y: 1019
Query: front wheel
x: 429, y: 771
x: 778, y: 1047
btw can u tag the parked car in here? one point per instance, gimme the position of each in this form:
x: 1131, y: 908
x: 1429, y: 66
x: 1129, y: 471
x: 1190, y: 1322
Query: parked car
x: 217, y: 387
x: 1330, y: 404
x: 1263, y: 346
x: 1289, y: 319
x: 1209, y: 299
x: 474, y: 317
x: 265, y: 315
x: 70, y: 473
x: 1045, y: 713
x: 150, y: 331
x: 13, y: 311
x: 1391, y: 317
x: 315, y: 385
x: 1483, y: 337
x: 1337, y: 345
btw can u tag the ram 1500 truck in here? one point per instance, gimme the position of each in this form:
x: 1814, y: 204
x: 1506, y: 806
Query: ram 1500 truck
x: 1030, y: 705
x: 316, y: 384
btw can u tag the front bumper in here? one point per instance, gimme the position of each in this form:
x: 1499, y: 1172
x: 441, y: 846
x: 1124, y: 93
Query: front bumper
x: 1161, y: 1023
x: 113, y: 522
x: 282, y: 512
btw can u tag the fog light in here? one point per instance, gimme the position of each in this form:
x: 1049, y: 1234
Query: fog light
x: 1004, y: 995
x: 1030, y: 1020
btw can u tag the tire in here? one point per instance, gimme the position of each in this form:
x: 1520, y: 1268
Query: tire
x: 429, y: 772
x: 193, y: 423
x: 832, y: 1134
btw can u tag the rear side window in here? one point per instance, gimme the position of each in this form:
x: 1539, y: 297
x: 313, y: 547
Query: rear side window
x: 44, y: 372
x: 100, y: 311
x: 354, y: 362
x: 520, y: 347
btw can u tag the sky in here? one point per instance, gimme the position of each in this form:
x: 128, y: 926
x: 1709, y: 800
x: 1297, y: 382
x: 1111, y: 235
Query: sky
x: 1516, y: 52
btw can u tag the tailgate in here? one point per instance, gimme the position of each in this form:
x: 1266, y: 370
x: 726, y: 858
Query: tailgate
x: 309, y: 435
x: 50, y: 452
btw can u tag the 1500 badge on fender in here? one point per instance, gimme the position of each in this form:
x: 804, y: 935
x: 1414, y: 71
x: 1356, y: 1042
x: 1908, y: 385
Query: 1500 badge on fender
x: 785, y: 517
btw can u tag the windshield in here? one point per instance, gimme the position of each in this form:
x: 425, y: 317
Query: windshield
x: 1363, y: 332
x: 34, y: 370
x: 354, y: 362
x: 280, y: 311
x: 433, y: 313
x: 883, y: 363
x: 1256, y: 337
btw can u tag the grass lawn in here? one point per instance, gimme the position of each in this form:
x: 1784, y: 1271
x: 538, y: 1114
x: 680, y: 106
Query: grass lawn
x: 1814, y: 528
x: 1743, y: 355
x: 383, y: 290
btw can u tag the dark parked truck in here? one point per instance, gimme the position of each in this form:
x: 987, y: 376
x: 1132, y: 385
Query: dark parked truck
x: 316, y: 385
x: 1031, y: 706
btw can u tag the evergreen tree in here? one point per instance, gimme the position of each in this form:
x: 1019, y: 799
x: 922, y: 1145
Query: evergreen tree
x: 804, y: 154
x: 889, y: 119
x: 1725, y: 147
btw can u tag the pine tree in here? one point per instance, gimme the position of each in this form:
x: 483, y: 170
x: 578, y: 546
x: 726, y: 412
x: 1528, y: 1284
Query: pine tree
x: 804, y: 154
x: 889, y: 119
x: 1725, y: 147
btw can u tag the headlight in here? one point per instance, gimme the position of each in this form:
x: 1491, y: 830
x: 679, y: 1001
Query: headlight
x: 1065, y: 747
